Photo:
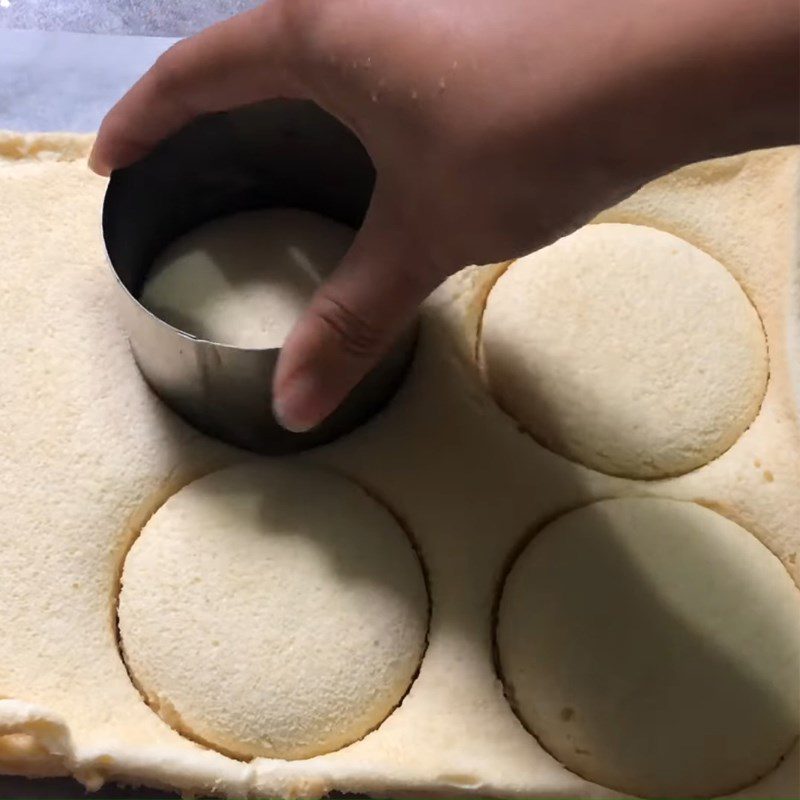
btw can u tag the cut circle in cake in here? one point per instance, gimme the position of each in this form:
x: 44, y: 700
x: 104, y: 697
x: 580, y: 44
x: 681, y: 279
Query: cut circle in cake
x: 626, y: 349
x: 653, y: 647
x: 273, y: 609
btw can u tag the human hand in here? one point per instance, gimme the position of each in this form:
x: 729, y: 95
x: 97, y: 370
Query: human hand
x: 494, y: 129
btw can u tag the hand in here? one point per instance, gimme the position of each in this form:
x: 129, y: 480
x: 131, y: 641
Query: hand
x: 495, y: 128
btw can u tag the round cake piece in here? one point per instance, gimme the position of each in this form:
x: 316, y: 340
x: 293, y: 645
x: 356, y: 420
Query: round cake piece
x: 244, y: 279
x: 653, y: 647
x: 273, y: 609
x: 625, y: 349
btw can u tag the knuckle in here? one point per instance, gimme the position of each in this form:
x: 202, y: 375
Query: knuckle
x: 312, y: 37
x: 294, y: 13
x: 166, y: 72
x: 356, y: 336
x: 298, y: 18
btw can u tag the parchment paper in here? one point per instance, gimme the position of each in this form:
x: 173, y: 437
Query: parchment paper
x: 52, y: 81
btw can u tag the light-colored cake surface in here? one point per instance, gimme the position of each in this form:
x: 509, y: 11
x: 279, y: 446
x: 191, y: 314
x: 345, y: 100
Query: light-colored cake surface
x: 273, y: 610
x: 627, y: 349
x: 632, y: 610
x: 87, y: 454
x: 244, y: 279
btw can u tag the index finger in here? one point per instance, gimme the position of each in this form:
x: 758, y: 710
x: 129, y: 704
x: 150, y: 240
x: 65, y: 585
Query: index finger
x: 247, y: 58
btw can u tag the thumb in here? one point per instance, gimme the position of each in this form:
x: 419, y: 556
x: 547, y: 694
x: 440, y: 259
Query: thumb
x: 352, y: 320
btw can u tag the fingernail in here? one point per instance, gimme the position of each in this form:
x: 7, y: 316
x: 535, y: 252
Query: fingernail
x: 296, y: 405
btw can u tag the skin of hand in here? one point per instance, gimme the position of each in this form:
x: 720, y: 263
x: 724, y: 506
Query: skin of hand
x: 495, y: 128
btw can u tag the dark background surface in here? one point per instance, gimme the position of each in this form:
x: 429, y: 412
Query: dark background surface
x: 58, y: 788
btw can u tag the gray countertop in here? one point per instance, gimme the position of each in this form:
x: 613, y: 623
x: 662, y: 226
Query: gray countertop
x: 132, y: 17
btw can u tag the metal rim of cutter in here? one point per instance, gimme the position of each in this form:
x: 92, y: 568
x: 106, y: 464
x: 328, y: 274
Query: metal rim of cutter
x: 282, y: 153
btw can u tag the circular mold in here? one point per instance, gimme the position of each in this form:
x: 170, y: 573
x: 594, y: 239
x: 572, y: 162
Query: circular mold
x: 273, y: 610
x: 625, y: 349
x: 652, y: 647
x: 277, y: 154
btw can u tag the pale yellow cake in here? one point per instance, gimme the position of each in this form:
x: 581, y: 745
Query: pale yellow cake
x: 484, y: 681
x: 245, y: 278
x: 290, y: 569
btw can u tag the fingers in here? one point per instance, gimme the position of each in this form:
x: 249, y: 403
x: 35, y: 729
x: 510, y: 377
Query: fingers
x: 247, y: 58
x: 351, y: 322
